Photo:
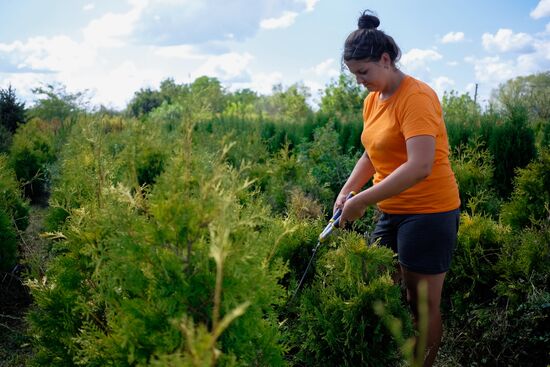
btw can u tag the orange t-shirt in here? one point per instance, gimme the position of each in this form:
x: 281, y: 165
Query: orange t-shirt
x: 412, y: 110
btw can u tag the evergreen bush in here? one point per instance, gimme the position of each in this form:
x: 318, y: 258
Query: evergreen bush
x: 530, y: 201
x: 473, y: 169
x: 512, y: 145
x: 31, y: 152
x: 329, y: 165
x: 11, y: 200
x: 336, y: 324
x: 473, y: 275
x: 14, y: 215
x: 131, y: 272
x: 8, y: 242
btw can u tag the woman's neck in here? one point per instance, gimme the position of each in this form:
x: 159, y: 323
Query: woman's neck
x: 394, y: 83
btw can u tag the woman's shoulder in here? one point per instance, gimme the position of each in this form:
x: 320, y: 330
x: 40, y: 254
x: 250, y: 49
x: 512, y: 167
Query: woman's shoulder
x: 417, y: 86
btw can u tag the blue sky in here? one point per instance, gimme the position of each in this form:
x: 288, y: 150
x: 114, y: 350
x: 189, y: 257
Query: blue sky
x: 113, y: 48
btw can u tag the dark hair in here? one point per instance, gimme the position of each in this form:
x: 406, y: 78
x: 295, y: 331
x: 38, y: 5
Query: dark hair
x: 369, y: 43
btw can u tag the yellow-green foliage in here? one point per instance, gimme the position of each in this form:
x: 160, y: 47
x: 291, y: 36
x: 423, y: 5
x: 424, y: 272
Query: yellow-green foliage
x: 530, y: 202
x: 133, y: 267
x: 31, y: 152
x: 336, y: 324
x: 472, y: 275
x: 473, y: 168
x: 14, y: 215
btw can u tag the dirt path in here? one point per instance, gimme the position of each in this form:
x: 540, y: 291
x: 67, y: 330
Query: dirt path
x: 15, y: 300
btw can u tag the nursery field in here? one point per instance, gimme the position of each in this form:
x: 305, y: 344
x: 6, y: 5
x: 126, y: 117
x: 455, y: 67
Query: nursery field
x: 175, y: 232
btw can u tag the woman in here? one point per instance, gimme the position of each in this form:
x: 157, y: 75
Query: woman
x: 406, y: 150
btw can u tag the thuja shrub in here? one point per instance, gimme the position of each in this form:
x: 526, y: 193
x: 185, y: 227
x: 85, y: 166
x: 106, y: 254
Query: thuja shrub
x: 183, y: 277
x: 524, y: 265
x: 512, y: 326
x: 335, y: 323
x: 8, y: 242
x: 284, y: 173
x: 144, y: 153
x: 14, y: 214
x: 512, y: 145
x: 31, y: 152
x: 473, y: 168
x: 11, y: 199
x: 530, y: 200
x: 84, y: 168
x: 328, y: 164
x: 479, y: 247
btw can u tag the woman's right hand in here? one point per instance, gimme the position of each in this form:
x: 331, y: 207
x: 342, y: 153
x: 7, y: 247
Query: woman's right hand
x: 339, y: 203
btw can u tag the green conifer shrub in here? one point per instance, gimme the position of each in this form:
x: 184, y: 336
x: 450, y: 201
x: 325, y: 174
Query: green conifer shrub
x: 84, y: 168
x: 8, y: 242
x: 461, y: 116
x: 14, y: 215
x: 31, y: 152
x: 11, y: 200
x: 473, y: 275
x: 511, y: 326
x: 284, y: 173
x: 138, y: 270
x: 473, y: 168
x: 329, y: 165
x: 512, y: 145
x: 524, y: 265
x: 530, y: 201
x: 336, y: 324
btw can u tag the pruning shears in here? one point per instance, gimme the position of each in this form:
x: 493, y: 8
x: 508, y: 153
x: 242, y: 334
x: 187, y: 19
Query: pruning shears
x: 333, y: 223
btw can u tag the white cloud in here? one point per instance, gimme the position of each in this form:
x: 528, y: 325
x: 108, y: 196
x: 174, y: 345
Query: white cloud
x: 23, y: 83
x: 261, y: 82
x: 452, y: 37
x: 506, y: 41
x: 284, y: 21
x: 310, y: 4
x: 442, y: 84
x: 325, y: 69
x: 88, y: 7
x: 547, y: 28
x: 416, y: 58
x: 452, y: 63
x: 542, y: 10
x: 226, y: 67
x: 491, y: 71
x: 49, y: 54
x: 174, y: 22
x: 113, y: 30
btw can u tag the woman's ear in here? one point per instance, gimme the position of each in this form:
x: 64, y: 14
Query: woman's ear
x: 385, y: 60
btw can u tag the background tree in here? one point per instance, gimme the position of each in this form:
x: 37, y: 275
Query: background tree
x: 12, y: 112
x: 343, y: 97
x: 288, y: 105
x: 55, y: 103
x: 144, y: 101
x: 532, y: 92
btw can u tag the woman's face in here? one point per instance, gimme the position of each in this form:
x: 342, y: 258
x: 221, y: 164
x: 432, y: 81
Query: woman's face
x: 371, y: 74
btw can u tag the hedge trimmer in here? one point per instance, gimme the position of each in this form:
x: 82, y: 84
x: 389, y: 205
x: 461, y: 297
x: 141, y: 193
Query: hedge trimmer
x: 333, y: 223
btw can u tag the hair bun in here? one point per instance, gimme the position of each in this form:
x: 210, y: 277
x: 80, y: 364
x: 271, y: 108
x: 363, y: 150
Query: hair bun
x: 368, y: 21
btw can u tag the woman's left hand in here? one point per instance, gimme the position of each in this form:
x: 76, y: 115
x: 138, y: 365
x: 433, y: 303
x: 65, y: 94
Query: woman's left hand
x: 354, y: 208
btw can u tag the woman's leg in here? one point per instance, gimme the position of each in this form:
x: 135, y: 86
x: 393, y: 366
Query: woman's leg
x: 435, y: 285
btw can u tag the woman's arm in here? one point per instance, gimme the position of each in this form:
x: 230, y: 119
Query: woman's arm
x: 361, y: 174
x: 420, y: 157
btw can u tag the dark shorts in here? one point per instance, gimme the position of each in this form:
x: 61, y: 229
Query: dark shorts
x: 424, y: 243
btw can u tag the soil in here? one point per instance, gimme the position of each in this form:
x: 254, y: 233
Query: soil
x: 15, y: 298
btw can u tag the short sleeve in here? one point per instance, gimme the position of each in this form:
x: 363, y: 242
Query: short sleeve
x: 421, y: 115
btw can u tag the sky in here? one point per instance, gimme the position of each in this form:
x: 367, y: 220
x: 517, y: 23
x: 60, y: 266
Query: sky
x: 112, y: 48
